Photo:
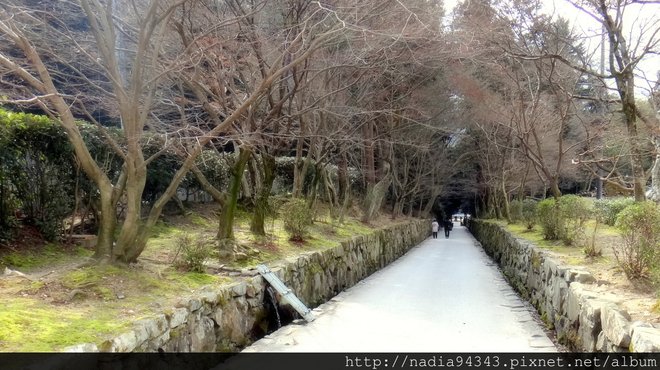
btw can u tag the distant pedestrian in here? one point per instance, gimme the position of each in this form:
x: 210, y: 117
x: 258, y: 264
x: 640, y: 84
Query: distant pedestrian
x: 435, y: 226
x: 448, y: 226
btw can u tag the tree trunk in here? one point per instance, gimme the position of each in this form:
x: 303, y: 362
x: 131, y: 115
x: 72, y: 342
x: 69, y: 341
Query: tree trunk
x: 107, y: 224
x: 505, y: 197
x: 316, y: 183
x: 369, y: 160
x: 655, y: 172
x: 262, y: 195
x: 621, y: 67
x: 344, y: 186
x: 554, y: 188
x: 226, y: 222
x: 299, y: 168
x: 375, y: 195
x: 127, y: 246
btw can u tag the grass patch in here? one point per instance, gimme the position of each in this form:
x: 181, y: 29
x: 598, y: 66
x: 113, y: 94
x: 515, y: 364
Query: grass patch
x: 194, y: 279
x: 48, y: 255
x: 28, y: 326
x: 199, y: 220
x: 89, y: 276
x: 656, y: 307
x: 163, y: 229
x: 534, y: 235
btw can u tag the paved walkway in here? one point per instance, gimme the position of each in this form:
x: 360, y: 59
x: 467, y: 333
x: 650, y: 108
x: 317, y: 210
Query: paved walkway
x: 444, y: 295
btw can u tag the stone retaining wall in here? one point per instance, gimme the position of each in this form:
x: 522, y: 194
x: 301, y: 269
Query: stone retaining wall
x: 228, y: 318
x: 583, y: 319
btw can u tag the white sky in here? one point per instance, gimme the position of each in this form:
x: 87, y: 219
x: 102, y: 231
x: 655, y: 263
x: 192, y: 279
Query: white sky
x: 586, y: 25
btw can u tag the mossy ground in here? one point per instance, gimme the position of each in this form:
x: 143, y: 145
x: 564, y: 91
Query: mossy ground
x: 29, y: 325
x: 58, y: 303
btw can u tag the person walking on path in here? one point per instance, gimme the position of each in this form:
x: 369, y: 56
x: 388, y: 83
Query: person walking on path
x: 448, y: 226
x: 435, y: 226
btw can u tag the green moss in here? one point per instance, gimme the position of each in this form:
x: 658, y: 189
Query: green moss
x: 656, y: 307
x: 352, y: 228
x: 571, y: 339
x: 48, y: 255
x: 162, y: 229
x: 20, y: 260
x: 536, y: 259
x: 28, y: 327
x: 535, y: 236
x: 315, y: 268
x: 195, y: 279
x: 105, y: 293
x: 35, y: 286
x: 547, y: 322
x: 89, y: 276
x: 198, y: 220
x: 316, y: 243
x: 574, y: 260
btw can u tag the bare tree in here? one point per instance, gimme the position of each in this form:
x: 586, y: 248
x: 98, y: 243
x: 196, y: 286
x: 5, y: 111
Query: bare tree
x: 625, y: 52
x: 135, y: 70
x: 132, y: 95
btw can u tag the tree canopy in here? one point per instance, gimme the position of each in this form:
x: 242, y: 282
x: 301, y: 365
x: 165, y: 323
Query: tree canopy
x: 374, y: 102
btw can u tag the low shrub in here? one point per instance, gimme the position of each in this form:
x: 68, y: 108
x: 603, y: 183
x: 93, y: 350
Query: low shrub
x: 191, y: 253
x: 607, y: 210
x: 516, y: 211
x: 574, y: 211
x: 297, y: 218
x: 589, y: 246
x: 639, y: 224
x: 528, y: 212
x: 549, y: 218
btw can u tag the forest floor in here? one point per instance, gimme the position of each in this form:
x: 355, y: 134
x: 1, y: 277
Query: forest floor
x: 54, y: 297
x: 638, y: 297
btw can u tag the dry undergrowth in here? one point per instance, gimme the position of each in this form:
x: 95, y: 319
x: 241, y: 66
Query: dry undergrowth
x: 637, y: 297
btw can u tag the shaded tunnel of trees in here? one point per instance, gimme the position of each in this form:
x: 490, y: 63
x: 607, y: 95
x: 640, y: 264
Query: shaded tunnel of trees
x: 395, y: 105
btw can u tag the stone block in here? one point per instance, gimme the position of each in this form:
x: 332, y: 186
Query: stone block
x: 590, y: 323
x: 83, y: 347
x: 616, y: 323
x: 141, y: 334
x: 194, y: 304
x: 254, y: 302
x: 255, y: 287
x: 156, y: 343
x: 549, y: 269
x: 125, y: 342
x: 558, y: 295
x: 209, y: 296
x: 645, y: 339
x: 574, y: 301
x: 154, y: 326
x: 202, y: 335
x: 179, y: 340
x: 177, y: 317
x: 217, y: 316
x: 602, y: 344
x: 584, y: 278
x: 234, y: 323
x: 239, y: 289
x: 638, y: 324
